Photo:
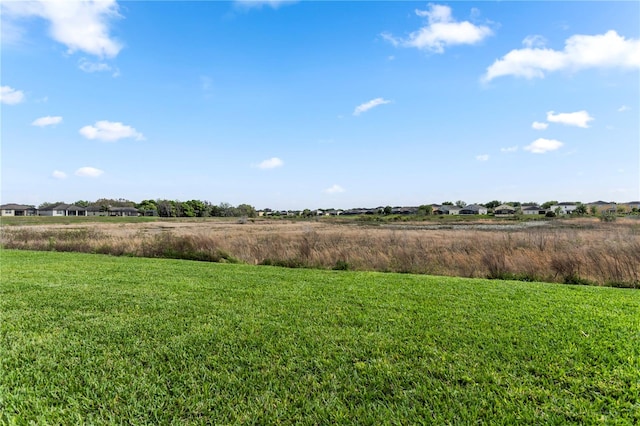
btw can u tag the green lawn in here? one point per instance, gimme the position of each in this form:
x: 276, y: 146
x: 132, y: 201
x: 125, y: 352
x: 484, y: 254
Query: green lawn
x: 90, y: 339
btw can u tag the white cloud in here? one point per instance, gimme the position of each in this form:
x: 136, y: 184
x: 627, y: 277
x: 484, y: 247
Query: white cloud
x: 509, y: 149
x: 483, y: 157
x: 623, y: 108
x: 334, y: 189
x: 274, y: 4
x: 578, y: 118
x: 91, y: 67
x: 442, y: 31
x: 608, y: 50
x: 534, y: 41
x: 47, y: 121
x: 10, y: 96
x: 110, y: 131
x: 537, y: 125
x: 540, y: 146
x: 368, y: 105
x: 79, y: 25
x: 57, y: 174
x: 271, y: 163
x: 89, y: 172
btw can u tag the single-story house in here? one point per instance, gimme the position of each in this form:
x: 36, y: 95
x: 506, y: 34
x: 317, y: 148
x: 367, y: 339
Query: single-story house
x: 632, y: 205
x: 603, y: 206
x: 17, y: 210
x: 504, y: 210
x: 533, y: 210
x: 404, y: 210
x: 96, y: 211
x: 473, y: 209
x: 63, y: 210
x: 447, y: 209
x: 123, y: 211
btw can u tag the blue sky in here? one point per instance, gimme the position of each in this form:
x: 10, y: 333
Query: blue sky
x: 293, y: 105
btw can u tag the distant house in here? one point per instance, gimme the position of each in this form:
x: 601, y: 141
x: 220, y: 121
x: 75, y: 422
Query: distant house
x: 504, y: 210
x: 603, y: 206
x: 404, y: 210
x: 17, y: 210
x: 96, y: 211
x: 564, y: 208
x: 63, y: 210
x: 533, y: 210
x: 473, y: 209
x: 123, y: 211
x: 446, y: 209
x: 632, y: 205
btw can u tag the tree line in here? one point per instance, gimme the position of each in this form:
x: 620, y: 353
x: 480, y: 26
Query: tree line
x: 167, y: 208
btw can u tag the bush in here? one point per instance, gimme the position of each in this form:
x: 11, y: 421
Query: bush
x: 608, y: 217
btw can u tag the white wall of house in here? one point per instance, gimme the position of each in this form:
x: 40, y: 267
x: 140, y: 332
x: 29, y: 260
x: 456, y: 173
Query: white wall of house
x: 565, y: 208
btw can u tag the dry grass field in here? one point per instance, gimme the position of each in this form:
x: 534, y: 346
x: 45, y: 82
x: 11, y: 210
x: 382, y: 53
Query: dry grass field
x: 578, y: 251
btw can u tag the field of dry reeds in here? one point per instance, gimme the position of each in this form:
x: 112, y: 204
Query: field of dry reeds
x: 578, y: 251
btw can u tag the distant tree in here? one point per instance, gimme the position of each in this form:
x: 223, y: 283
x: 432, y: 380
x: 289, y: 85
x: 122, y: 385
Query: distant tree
x: 306, y: 213
x: 593, y: 210
x: 47, y: 204
x: 580, y: 210
x: 226, y: 210
x: 166, y: 208
x: 147, y: 206
x: 111, y: 202
x: 493, y: 204
x: 425, y: 210
x: 548, y: 204
x: 82, y: 203
x: 186, y: 209
x: 514, y: 203
x: 388, y: 210
x: 447, y: 203
x: 460, y: 203
x: 246, y: 210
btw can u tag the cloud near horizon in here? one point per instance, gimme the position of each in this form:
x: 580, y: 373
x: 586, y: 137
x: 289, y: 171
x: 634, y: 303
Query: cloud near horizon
x: 578, y: 118
x: 541, y: 146
x: 483, y: 157
x: 608, y: 50
x: 537, y: 125
x: 47, y: 121
x: 271, y: 163
x: 334, y: 189
x: 57, y: 174
x: 79, y: 25
x: 274, y: 4
x: 91, y: 172
x: 110, y: 131
x: 369, y: 105
x: 10, y: 96
x: 441, y: 31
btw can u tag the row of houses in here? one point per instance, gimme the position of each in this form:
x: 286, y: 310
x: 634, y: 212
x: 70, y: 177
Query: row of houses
x: 503, y: 210
x: 66, y: 210
x: 436, y: 209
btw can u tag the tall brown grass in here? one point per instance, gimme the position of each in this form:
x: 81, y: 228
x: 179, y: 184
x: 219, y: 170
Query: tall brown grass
x: 577, y: 252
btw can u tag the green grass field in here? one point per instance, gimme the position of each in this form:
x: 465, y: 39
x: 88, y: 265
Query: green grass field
x: 91, y: 339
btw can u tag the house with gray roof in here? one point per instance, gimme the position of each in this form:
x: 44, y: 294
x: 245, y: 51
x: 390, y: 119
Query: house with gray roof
x: 17, y: 210
x: 504, y: 210
x: 533, y: 210
x: 473, y: 209
x: 63, y: 210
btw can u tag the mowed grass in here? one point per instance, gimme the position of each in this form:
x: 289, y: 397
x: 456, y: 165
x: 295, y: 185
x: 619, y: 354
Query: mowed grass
x: 92, y: 339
